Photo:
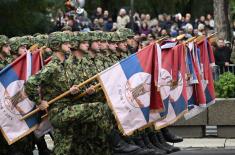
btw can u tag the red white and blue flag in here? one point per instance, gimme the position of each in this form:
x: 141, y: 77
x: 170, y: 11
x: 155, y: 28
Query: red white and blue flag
x: 195, y: 92
x: 13, y: 102
x: 207, y: 60
x: 172, y: 84
x: 130, y: 87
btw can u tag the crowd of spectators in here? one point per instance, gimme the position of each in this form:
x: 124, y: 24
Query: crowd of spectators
x: 142, y: 24
x: 147, y: 27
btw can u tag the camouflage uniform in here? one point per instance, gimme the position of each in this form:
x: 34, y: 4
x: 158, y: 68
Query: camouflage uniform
x: 113, y: 55
x: 7, y: 58
x: 67, y: 116
x: 41, y: 41
x: 124, y: 33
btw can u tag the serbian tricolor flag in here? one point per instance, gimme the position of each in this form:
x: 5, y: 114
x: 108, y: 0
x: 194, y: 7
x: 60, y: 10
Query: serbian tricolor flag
x: 195, y: 91
x: 13, y: 102
x: 172, y: 84
x: 130, y: 87
x: 207, y: 60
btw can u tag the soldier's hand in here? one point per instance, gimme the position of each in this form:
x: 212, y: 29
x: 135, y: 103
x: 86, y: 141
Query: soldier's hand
x: 74, y: 89
x: 90, y: 90
x: 44, y: 105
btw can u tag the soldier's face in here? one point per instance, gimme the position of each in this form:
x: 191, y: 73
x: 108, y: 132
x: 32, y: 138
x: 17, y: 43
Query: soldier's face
x: 130, y: 41
x: 103, y: 45
x: 22, y: 50
x: 122, y: 46
x: 6, y: 49
x: 66, y: 47
x: 112, y: 46
x: 84, y: 46
x: 95, y: 46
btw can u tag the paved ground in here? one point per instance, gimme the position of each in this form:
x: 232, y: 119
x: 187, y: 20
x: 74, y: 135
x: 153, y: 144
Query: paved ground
x: 206, y: 151
x: 207, y: 143
x: 194, y: 146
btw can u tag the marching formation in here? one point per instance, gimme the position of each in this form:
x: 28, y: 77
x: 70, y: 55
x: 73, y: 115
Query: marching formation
x: 86, y: 124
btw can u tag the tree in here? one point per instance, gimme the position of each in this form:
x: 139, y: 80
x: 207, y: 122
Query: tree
x: 21, y: 17
x: 221, y: 17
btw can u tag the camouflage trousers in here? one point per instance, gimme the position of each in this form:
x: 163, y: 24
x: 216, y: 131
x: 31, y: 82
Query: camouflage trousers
x: 82, y: 129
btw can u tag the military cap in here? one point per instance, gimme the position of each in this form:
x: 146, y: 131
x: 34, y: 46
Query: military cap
x: 41, y: 40
x: 3, y: 40
x: 74, y: 40
x: 84, y: 36
x: 122, y: 36
x: 95, y: 35
x: 14, y: 43
x: 55, y: 39
x: 26, y: 40
x: 126, y: 31
x: 105, y: 36
x: 114, y: 37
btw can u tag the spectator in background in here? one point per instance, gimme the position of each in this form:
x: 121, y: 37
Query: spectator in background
x: 163, y: 33
x: 168, y: 22
x: 115, y: 27
x: 148, y: 19
x: 122, y: 19
x: 98, y: 14
x: 142, y: 18
x: 95, y: 25
x: 161, y: 21
x: 136, y: 18
x: 232, y: 58
x: 108, y: 25
x: 106, y: 16
x: 201, y: 29
x: 222, y: 55
x: 144, y: 29
x: 189, y: 30
x: 202, y: 20
x: 209, y: 22
x: 135, y: 26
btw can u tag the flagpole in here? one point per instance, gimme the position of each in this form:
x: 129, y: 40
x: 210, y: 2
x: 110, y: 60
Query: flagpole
x: 96, y: 87
x: 58, y: 97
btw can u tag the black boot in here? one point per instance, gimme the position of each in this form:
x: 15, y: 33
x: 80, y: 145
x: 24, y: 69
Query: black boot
x: 42, y: 146
x: 120, y: 147
x: 155, y: 141
x: 140, y: 142
x: 149, y: 145
x: 170, y: 137
x: 165, y: 144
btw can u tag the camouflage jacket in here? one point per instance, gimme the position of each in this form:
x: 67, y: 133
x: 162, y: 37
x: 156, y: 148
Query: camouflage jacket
x: 52, y: 80
x: 5, y: 61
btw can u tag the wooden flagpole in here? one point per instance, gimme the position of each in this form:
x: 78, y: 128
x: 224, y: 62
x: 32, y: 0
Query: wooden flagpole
x: 161, y: 39
x: 58, y: 98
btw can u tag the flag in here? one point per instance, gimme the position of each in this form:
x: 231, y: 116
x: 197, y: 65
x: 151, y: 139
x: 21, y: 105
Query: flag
x: 13, y: 101
x: 207, y: 60
x: 172, y: 85
x: 195, y: 91
x: 130, y: 87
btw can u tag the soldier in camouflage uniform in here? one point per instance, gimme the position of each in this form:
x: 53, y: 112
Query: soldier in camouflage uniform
x: 132, y: 45
x: 19, y: 45
x: 112, y: 46
x: 122, y: 51
x: 24, y: 146
x: 41, y: 41
x: 65, y: 115
x: 5, y: 54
